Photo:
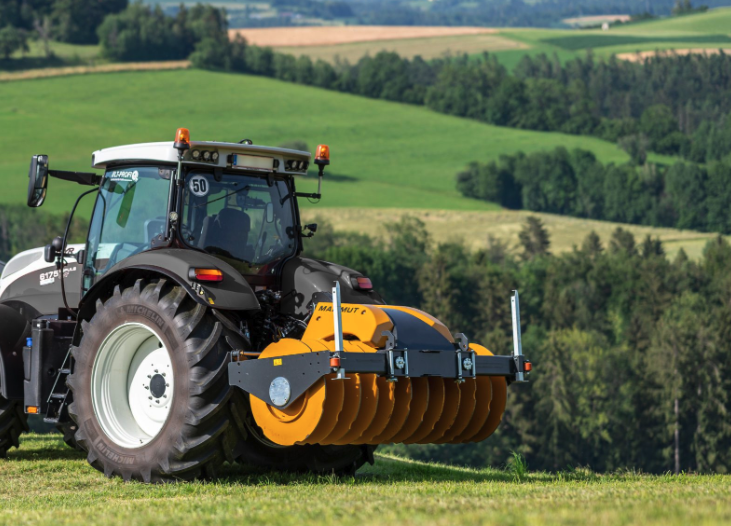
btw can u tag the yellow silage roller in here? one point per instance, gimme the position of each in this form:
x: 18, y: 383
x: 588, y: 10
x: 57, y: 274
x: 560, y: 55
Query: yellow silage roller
x: 378, y: 374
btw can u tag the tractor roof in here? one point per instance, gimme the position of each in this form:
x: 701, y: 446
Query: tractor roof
x: 266, y: 159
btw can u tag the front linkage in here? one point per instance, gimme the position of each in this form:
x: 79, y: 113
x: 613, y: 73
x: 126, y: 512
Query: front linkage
x: 279, y: 382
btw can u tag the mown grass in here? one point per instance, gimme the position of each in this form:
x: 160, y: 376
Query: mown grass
x: 383, y: 154
x: 46, y: 483
x: 477, y: 229
x: 710, y: 30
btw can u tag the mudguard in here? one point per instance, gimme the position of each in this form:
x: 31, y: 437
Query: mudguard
x: 233, y: 293
x: 306, y: 281
x: 14, y: 328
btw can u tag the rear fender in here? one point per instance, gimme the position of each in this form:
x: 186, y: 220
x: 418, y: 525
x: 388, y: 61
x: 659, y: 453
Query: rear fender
x: 233, y: 293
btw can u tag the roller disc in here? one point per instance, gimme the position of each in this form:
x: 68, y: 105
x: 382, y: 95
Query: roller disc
x: 402, y: 403
x: 497, y: 408
x: 433, y: 411
x: 315, y: 412
x: 368, y: 407
x: 330, y: 413
x: 483, y: 397
x: 351, y: 408
x: 449, y: 413
x: 464, y: 413
x: 300, y: 420
x: 384, y: 410
x: 419, y: 404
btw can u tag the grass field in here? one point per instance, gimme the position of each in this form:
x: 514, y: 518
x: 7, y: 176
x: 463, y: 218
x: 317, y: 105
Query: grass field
x: 47, y: 483
x: 475, y: 227
x: 710, y: 30
x: 383, y: 154
x: 64, y: 55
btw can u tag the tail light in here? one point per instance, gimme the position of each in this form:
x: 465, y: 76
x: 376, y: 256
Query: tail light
x: 205, y: 274
x: 361, y: 283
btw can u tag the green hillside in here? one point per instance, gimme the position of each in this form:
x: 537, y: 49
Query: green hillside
x: 713, y: 21
x: 710, y: 30
x: 384, y: 154
x: 45, y: 482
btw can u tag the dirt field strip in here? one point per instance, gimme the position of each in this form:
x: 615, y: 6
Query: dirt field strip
x: 596, y: 19
x: 333, y: 35
x: 85, y: 70
x: 644, y: 55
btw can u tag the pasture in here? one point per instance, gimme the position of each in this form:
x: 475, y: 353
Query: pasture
x: 384, y: 154
x: 44, y: 482
x: 478, y: 229
x: 710, y: 30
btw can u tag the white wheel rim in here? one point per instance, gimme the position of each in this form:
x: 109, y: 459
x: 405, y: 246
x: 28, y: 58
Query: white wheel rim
x: 132, y: 385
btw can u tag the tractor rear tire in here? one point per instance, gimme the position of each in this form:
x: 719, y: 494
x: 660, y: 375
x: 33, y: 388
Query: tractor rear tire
x: 321, y: 460
x: 150, y: 386
x: 13, y: 423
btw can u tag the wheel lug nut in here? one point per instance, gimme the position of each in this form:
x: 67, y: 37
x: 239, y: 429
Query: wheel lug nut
x: 149, y: 398
x: 157, y: 401
x: 147, y: 387
x: 149, y: 376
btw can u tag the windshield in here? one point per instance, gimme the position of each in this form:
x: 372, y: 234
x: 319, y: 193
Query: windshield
x: 240, y: 219
x: 128, y: 214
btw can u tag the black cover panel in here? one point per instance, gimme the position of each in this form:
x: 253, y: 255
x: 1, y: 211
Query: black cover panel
x: 303, y: 278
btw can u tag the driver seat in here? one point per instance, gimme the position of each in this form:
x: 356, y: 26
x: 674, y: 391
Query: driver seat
x: 229, y: 231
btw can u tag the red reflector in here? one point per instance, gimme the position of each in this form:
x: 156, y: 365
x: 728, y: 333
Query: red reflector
x: 208, y: 274
x: 335, y: 363
x: 364, y: 283
x: 527, y: 366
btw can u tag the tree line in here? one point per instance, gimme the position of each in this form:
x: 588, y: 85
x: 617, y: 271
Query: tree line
x: 72, y: 21
x: 631, y: 352
x: 674, y: 105
x: 22, y: 229
x: 684, y: 195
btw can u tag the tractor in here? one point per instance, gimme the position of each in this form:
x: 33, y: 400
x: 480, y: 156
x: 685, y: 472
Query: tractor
x: 189, y: 330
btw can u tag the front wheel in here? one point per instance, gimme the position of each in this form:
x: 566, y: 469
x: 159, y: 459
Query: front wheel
x: 150, y: 389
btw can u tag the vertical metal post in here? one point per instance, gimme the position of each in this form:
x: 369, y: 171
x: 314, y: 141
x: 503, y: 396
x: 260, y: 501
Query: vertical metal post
x: 338, y: 322
x: 517, y: 343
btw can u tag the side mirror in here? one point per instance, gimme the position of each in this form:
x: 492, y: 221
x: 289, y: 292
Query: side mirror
x: 270, y: 212
x: 51, y: 252
x: 37, y: 180
x: 312, y: 227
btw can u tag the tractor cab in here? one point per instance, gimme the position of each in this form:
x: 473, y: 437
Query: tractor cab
x: 234, y: 201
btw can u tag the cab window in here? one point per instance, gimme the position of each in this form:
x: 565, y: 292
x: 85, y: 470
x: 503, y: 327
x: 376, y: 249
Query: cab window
x: 240, y: 219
